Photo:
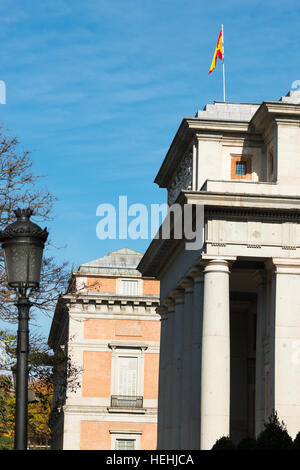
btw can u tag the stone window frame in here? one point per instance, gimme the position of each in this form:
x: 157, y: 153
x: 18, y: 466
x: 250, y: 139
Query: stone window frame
x: 243, y: 159
x: 129, y: 350
x: 127, y: 435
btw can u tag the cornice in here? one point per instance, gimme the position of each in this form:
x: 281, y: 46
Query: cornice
x: 58, y: 325
x: 128, y: 345
x: 242, y: 200
x: 99, y: 411
x: 281, y: 107
x: 160, y: 252
x: 253, y: 213
x: 158, y: 255
x: 109, y: 275
x: 285, y: 112
x: 182, y: 138
x: 215, y: 125
x: 247, y: 140
x: 111, y: 299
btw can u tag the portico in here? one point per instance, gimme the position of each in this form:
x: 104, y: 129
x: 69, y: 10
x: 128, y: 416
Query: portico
x: 232, y: 351
x: 230, y: 337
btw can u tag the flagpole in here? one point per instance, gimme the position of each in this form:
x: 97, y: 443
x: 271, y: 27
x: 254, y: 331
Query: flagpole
x: 223, y: 65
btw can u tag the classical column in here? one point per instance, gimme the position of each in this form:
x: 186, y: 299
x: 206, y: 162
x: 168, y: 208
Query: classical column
x: 260, y: 279
x: 284, y: 346
x: 178, y: 296
x: 162, y: 395
x: 165, y: 435
x: 186, y: 376
x: 215, y: 372
x: 196, y: 273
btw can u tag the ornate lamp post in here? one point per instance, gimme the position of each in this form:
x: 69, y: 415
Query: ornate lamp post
x: 23, y: 243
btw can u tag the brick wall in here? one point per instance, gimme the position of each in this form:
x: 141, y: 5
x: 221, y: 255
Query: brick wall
x: 150, y: 287
x: 101, y: 284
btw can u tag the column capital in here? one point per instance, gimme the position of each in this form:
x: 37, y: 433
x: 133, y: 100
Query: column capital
x: 196, y: 273
x: 204, y: 258
x: 217, y: 265
x: 177, y: 295
x: 169, y: 304
x: 186, y: 283
x: 283, y: 265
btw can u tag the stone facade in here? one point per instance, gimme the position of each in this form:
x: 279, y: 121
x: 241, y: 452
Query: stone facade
x: 230, y: 323
x: 107, y: 324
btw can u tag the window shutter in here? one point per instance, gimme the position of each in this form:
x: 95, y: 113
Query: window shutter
x: 127, y: 385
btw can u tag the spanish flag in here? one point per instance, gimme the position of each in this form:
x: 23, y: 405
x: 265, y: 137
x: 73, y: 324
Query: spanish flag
x: 218, y: 52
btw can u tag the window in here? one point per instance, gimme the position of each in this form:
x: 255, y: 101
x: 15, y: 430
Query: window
x: 125, y: 439
x: 129, y: 287
x: 241, y: 167
x: 127, y: 376
x: 125, y: 444
x: 127, y: 384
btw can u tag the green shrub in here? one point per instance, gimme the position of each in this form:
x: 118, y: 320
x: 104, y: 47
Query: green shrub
x: 248, y: 443
x: 274, y: 436
x: 224, y: 443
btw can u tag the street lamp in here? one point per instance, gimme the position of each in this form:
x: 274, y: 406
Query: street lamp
x: 32, y: 398
x: 23, y: 243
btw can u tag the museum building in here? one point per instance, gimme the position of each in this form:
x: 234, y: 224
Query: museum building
x: 107, y: 326
x: 230, y: 309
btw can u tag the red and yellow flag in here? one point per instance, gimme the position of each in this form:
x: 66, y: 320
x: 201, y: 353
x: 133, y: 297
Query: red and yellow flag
x: 218, y: 52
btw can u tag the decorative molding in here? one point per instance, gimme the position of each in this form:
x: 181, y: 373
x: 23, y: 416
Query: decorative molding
x: 217, y: 265
x: 283, y: 265
x: 124, y: 431
x: 170, y: 304
x: 186, y: 283
x: 254, y: 213
x: 127, y: 345
x: 162, y: 310
x: 182, y: 178
x: 196, y: 272
x: 177, y: 295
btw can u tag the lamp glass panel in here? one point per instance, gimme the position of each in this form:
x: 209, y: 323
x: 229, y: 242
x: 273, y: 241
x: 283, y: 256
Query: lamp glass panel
x: 23, y: 264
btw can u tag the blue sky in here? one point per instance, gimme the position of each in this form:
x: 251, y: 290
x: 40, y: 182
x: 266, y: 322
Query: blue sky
x: 96, y: 89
